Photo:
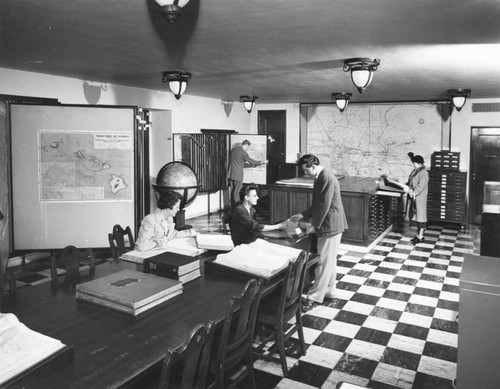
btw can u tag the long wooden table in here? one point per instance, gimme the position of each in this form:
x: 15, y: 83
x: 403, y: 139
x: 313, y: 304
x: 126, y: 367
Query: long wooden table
x: 110, y: 348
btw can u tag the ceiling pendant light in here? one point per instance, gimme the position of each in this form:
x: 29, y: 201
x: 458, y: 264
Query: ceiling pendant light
x: 171, y: 9
x: 341, y: 100
x: 459, y: 97
x: 361, y: 71
x: 177, y: 82
x: 248, y: 102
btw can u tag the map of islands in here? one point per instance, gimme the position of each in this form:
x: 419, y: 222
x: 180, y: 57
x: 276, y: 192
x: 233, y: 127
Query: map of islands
x: 85, y: 166
x: 372, y: 140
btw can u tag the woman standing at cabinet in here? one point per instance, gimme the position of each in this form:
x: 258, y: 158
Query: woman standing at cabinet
x: 417, y: 189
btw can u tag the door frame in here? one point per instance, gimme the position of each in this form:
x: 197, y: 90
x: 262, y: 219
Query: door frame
x: 476, y: 132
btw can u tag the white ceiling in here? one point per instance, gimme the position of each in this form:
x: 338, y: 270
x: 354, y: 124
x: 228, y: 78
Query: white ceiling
x: 282, y: 51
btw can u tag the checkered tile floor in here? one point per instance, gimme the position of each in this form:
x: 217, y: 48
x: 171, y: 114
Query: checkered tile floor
x: 392, y: 323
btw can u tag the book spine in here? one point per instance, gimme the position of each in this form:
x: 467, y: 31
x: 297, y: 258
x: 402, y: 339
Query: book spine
x: 174, y: 270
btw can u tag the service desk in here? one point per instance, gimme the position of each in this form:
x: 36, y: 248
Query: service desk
x: 368, y: 214
x: 478, y: 323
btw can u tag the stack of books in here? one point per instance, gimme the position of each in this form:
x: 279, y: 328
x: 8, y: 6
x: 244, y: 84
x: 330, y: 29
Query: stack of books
x: 129, y: 291
x: 179, y: 267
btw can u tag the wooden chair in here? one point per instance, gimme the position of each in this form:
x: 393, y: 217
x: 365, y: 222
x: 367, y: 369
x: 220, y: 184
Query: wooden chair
x: 70, y: 259
x: 117, y: 242
x: 233, y: 347
x: 192, y: 358
x: 280, y: 307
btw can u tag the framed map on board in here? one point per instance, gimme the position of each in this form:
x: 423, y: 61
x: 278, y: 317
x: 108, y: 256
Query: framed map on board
x: 257, y: 151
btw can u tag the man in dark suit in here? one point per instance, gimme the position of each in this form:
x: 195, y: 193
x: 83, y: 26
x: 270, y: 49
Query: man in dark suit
x: 237, y: 160
x: 327, y: 216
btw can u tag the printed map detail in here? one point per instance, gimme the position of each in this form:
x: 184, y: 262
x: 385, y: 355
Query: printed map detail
x: 375, y: 139
x: 85, y: 166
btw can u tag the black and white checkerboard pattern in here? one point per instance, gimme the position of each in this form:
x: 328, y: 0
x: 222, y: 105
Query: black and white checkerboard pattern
x: 392, y: 323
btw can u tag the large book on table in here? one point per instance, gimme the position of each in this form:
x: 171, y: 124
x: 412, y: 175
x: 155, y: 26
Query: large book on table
x: 129, y: 291
x: 183, y: 246
x: 171, y: 263
x: 24, y: 351
x: 186, y: 277
x: 220, y: 242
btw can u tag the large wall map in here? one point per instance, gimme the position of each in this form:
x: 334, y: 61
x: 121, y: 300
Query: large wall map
x: 371, y: 140
x: 85, y: 166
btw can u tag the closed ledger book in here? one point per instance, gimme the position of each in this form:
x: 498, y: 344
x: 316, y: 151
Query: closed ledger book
x: 186, y: 277
x: 171, y: 263
x: 219, y: 242
x: 129, y: 291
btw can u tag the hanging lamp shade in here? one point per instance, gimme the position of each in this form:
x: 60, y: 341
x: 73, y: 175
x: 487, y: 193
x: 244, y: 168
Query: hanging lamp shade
x: 248, y: 102
x: 171, y: 9
x: 341, y: 100
x: 177, y: 82
x: 459, y: 97
x: 361, y: 71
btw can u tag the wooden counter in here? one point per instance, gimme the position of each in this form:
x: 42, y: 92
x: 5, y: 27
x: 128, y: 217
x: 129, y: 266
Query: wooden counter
x: 368, y: 214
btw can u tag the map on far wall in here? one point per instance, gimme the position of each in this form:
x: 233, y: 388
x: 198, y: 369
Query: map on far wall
x: 257, y: 151
x: 374, y: 139
x: 87, y: 166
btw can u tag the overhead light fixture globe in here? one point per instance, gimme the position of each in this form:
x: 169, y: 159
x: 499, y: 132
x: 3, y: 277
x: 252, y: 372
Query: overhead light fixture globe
x: 459, y: 97
x: 177, y: 82
x: 248, y: 102
x: 341, y: 100
x: 361, y: 71
x: 171, y: 9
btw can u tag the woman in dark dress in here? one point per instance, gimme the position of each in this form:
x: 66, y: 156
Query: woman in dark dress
x: 418, y: 188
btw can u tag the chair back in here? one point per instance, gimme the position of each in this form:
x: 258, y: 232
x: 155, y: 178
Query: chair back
x: 70, y: 259
x: 235, y: 343
x: 191, y: 357
x: 117, y: 242
x: 294, y: 282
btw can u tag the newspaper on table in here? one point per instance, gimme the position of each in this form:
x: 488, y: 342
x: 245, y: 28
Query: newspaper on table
x: 262, y: 258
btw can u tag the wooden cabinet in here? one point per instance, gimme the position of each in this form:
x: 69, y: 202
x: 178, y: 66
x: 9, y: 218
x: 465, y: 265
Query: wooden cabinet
x: 446, y: 200
x: 368, y: 215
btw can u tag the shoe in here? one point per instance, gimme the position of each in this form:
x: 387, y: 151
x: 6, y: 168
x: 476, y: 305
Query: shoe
x: 417, y: 240
x: 308, y: 305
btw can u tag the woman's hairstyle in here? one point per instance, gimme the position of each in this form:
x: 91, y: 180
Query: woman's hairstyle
x: 168, y: 199
x: 245, y: 190
x: 416, y: 158
x: 308, y: 160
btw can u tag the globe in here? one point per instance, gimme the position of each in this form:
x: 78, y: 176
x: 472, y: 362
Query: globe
x: 178, y: 177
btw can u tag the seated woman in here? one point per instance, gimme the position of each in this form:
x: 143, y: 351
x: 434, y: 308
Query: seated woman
x: 158, y: 228
x: 244, y: 227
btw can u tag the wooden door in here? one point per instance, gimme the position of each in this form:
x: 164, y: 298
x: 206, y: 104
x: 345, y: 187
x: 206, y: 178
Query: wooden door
x: 484, y: 166
x: 273, y: 124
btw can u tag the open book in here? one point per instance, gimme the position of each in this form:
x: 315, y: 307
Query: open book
x: 22, y: 348
x: 386, y: 184
x: 260, y: 258
x: 184, y: 246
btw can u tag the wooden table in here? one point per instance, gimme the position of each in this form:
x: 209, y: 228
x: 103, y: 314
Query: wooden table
x: 110, y: 348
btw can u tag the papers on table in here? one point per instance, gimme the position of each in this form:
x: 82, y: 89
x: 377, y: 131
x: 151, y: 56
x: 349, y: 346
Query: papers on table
x: 261, y: 258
